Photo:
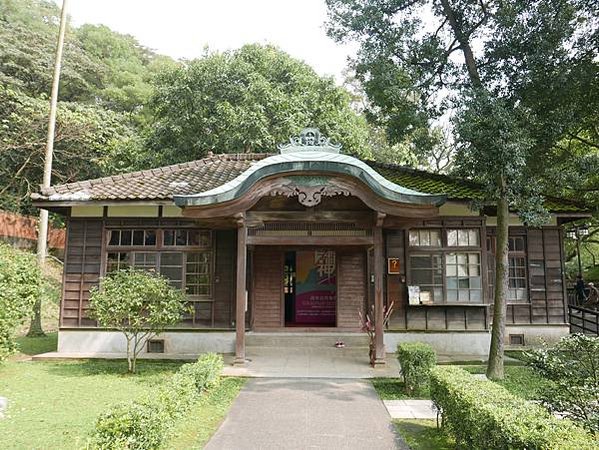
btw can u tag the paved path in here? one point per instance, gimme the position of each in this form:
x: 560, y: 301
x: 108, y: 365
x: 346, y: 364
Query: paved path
x: 306, y: 414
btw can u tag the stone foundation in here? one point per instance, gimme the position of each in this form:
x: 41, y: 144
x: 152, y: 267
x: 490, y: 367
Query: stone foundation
x: 175, y: 342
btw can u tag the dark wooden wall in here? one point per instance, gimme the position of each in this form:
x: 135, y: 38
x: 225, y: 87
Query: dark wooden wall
x: 82, y: 270
x: 546, y: 279
x: 351, y: 287
x: 267, y: 295
x: 84, y: 265
x: 544, y: 252
x: 225, y: 247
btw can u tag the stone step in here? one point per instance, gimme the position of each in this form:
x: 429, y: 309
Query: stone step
x: 306, y: 340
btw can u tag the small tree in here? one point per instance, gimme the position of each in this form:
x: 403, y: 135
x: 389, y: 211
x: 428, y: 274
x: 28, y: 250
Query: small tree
x: 20, y: 287
x: 139, y: 304
x: 572, y: 368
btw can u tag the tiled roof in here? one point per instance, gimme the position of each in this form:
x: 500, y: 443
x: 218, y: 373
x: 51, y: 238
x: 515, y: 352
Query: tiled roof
x: 211, y: 172
x: 156, y: 184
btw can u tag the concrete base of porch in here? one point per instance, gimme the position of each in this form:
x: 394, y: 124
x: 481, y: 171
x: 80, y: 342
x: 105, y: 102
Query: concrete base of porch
x: 305, y: 362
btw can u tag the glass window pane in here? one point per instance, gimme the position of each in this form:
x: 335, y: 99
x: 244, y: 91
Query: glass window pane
x: 452, y: 295
x: 169, y: 237
x: 194, y: 237
x: 452, y: 283
x: 150, y: 237
x: 138, y: 237
x: 171, y: 259
x: 473, y: 238
x: 463, y: 238
x: 438, y: 295
x: 452, y: 238
x: 473, y: 271
x: 114, y: 237
x: 420, y: 261
x: 475, y: 282
x: 181, y: 237
x: 172, y: 273
x: 451, y: 270
x: 126, y: 237
x: 451, y: 258
x: 413, y: 237
x: 476, y: 295
x: 421, y: 277
x: 425, y: 238
x: 436, y: 238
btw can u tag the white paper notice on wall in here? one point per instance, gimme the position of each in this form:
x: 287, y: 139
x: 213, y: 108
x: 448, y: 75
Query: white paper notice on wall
x: 414, y: 295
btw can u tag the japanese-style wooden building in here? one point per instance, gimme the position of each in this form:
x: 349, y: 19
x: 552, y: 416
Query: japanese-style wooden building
x: 301, y: 240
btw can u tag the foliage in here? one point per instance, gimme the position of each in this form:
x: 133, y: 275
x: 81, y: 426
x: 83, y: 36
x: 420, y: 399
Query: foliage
x: 368, y: 326
x: 20, y: 287
x: 99, y: 65
x: 83, y: 389
x: 204, y: 418
x: 395, y: 389
x: 89, y: 141
x: 422, y: 434
x: 572, y: 367
x: 137, y: 303
x: 416, y: 360
x: 484, y: 415
x: 505, y: 92
x: 248, y: 100
x: 144, y: 424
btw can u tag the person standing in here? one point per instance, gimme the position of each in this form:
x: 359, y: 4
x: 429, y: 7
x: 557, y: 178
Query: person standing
x: 580, y: 290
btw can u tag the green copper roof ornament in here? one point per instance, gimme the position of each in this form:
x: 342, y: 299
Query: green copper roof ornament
x: 309, y: 140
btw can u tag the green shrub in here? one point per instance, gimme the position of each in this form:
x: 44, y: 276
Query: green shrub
x: 144, y: 424
x: 20, y: 287
x: 416, y: 360
x: 484, y: 415
x: 572, y: 370
x: 138, y: 303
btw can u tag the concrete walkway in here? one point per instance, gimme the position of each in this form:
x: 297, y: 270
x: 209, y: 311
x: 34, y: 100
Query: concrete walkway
x: 306, y: 414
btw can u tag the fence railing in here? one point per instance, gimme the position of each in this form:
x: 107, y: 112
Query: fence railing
x: 583, y: 320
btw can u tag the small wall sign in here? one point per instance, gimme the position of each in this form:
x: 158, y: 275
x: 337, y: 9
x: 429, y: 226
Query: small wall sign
x: 414, y: 295
x: 393, y: 266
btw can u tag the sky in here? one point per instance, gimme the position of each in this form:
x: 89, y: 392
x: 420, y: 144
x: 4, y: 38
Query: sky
x: 182, y: 28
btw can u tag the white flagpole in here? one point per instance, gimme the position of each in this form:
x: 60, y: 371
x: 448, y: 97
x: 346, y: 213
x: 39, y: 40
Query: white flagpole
x: 43, y: 225
x: 42, y: 239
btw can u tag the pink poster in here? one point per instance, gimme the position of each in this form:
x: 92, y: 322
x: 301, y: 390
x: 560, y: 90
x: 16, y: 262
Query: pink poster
x: 316, y: 282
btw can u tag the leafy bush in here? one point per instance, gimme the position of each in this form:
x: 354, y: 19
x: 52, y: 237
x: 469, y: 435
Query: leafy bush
x: 144, y: 424
x: 20, y: 287
x: 416, y: 360
x: 484, y: 415
x: 138, y: 303
x: 572, y: 368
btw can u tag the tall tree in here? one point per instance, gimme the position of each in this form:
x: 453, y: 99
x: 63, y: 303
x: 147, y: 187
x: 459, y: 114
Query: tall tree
x: 501, y: 67
x: 248, y: 100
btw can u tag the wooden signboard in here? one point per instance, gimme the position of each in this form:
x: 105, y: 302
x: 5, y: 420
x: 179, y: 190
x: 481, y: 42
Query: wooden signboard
x: 393, y: 266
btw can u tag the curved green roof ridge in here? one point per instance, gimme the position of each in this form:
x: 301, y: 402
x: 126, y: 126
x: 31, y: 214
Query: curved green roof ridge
x: 314, y: 160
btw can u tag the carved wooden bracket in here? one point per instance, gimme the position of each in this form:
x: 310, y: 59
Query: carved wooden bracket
x: 308, y: 196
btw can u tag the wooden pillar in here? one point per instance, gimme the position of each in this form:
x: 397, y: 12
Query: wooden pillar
x: 240, y: 297
x: 378, y: 294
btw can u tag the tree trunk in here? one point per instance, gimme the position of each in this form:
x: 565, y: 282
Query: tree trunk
x: 35, y: 327
x: 495, y: 365
x: 130, y: 360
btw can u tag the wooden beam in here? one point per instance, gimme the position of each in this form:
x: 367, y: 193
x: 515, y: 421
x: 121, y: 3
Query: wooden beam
x: 240, y: 298
x: 378, y: 295
x: 360, y: 218
x: 310, y: 240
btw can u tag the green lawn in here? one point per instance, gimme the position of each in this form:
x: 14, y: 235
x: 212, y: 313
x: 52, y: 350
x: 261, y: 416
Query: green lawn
x: 424, y: 435
x: 205, y: 418
x: 54, y: 405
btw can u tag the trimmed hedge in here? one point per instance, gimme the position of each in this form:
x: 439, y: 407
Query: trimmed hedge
x: 484, y: 415
x: 416, y: 360
x: 144, y: 424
